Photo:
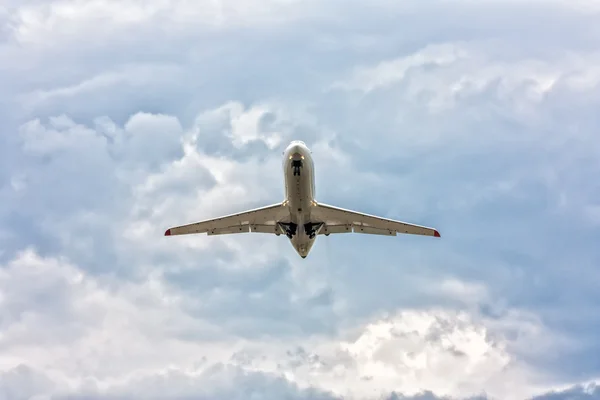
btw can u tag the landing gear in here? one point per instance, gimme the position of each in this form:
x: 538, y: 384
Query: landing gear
x: 290, y: 229
x: 296, y: 165
x: 312, y: 228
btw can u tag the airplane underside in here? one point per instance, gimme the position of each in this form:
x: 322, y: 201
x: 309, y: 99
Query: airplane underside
x: 299, y: 216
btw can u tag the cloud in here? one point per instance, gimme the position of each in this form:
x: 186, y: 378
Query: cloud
x: 388, y: 72
x: 478, y: 119
x: 136, y: 339
x: 579, y: 392
x: 407, y: 351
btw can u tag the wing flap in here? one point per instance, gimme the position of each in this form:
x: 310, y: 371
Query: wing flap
x: 266, y: 229
x: 229, y: 230
x: 328, y: 229
x: 369, y: 230
x: 245, y: 228
x: 261, y: 220
x: 365, y: 223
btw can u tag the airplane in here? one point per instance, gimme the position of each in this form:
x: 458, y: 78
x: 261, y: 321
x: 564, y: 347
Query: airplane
x: 300, y: 216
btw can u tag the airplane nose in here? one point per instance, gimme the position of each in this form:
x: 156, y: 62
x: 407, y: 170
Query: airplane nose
x: 296, y: 152
x: 295, y: 149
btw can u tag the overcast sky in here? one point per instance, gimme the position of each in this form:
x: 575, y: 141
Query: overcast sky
x: 121, y: 118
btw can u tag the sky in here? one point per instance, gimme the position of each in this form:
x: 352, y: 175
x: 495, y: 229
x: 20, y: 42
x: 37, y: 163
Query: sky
x: 122, y: 118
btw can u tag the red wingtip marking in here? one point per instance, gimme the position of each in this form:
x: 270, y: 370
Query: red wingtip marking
x: 168, y: 232
x: 436, y: 234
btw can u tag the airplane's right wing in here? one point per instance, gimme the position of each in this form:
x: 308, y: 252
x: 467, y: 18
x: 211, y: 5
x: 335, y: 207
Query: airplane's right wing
x: 339, y: 220
x: 263, y: 220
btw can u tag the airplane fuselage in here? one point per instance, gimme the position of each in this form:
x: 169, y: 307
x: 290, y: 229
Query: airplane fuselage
x: 299, y: 173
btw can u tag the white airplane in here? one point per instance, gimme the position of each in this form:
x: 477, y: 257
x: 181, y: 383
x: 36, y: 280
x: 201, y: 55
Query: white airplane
x: 300, y: 217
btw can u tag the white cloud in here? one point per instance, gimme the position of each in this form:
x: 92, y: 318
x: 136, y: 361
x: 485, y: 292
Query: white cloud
x: 447, y: 75
x: 106, y: 323
x: 477, y: 118
x: 129, y: 323
x: 75, y: 329
x: 71, y: 20
x: 389, y: 72
x: 135, y: 76
x: 239, y: 125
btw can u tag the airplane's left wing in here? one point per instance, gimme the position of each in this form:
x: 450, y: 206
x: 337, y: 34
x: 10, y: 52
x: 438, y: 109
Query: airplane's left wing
x: 340, y: 220
x: 263, y: 220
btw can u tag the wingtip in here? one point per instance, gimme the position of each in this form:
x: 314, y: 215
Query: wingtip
x: 168, y: 232
x: 436, y: 233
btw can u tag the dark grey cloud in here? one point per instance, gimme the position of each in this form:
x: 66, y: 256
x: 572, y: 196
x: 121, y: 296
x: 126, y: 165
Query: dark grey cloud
x: 578, y: 392
x: 23, y: 382
x: 229, y: 382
